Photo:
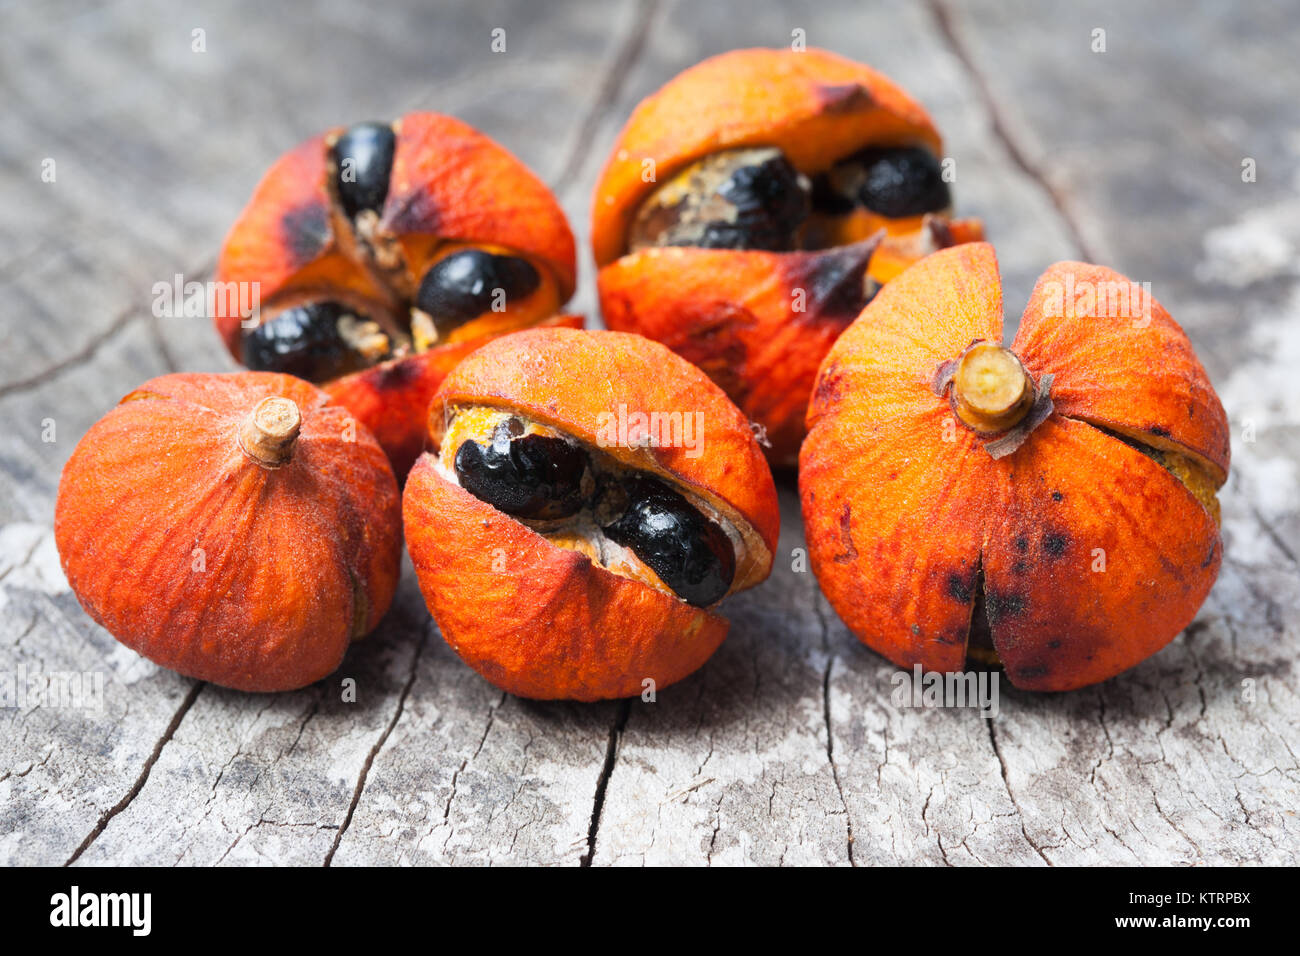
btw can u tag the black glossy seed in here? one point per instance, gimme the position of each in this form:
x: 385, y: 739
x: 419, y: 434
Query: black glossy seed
x: 462, y: 286
x: 825, y: 198
x: 690, y: 553
x: 769, y: 203
x: 901, y: 182
x: 302, y: 341
x: 363, y: 156
x: 527, y: 476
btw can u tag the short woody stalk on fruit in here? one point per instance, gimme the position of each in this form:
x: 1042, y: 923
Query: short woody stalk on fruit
x: 268, y: 433
x: 991, y: 389
x: 992, y: 393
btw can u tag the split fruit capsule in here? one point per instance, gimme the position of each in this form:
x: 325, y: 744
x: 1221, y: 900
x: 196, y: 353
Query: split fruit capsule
x: 382, y: 254
x: 589, y: 500
x: 754, y: 205
x: 1048, y: 508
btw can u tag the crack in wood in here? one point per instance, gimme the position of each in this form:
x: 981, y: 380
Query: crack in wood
x: 378, y: 746
x: 1006, y: 782
x: 602, y: 783
x: 1273, y: 536
x: 82, y: 356
x: 826, y: 717
x: 143, y: 777
x: 944, y: 20
x: 611, y: 82
x: 91, y: 348
x: 455, y: 777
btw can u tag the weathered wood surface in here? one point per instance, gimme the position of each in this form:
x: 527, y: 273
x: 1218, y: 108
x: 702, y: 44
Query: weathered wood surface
x: 785, y: 747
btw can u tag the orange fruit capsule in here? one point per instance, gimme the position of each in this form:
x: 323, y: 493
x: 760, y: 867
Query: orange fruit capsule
x: 589, y: 500
x: 383, y: 254
x: 1048, y: 506
x: 753, y: 205
x: 236, y: 528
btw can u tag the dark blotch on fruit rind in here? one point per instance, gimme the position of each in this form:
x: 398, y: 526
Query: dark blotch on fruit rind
x: 396, y: 375
x: 830, y: 385
x: 838, y: 98
x: 1055, y: 543
x: 305, y: 231
x: 412, y: 212
x: 959, y: 589
x: 850, y: 552
x: 999, y: 606
x: 833, y: 281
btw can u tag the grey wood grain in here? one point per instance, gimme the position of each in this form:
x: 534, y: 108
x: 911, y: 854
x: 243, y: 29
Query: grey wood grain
x: 785, y: 747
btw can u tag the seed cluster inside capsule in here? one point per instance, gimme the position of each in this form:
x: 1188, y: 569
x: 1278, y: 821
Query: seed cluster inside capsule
x: 633, y: 523
x: 319, y: 337
x: 754, y: 198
